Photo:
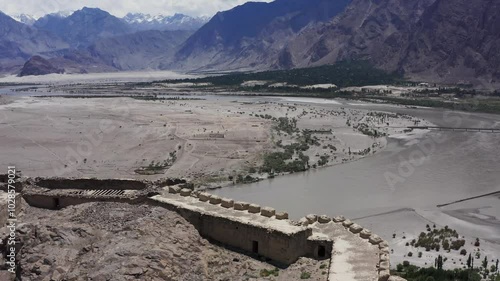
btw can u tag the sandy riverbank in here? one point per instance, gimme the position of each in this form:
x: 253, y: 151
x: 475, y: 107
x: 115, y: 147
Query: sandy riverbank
x: 206, y: 140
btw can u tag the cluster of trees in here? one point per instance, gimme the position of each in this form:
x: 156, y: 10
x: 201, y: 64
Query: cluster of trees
x: 287, y: 125
x: 365, y: 130
x: 435, y: 238
x: 473, y: 105
x: 437, y: 273
x: 280, y: 162
x: 484, y: 268
x: 342, y: 74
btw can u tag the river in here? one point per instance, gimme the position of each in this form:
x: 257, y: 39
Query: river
x: 414, y: 174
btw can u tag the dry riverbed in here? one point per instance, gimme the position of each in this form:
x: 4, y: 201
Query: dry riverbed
x: 211, y: 142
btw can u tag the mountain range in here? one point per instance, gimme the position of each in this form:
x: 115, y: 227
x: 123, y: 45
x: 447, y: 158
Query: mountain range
x: 432, y: 40
x: 137, y: 21
x: 140, y: 21
x: 18, y: 42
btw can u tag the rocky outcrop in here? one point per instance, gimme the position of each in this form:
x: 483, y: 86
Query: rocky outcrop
x: 18, y: 42
x: 252, y: 35
x: 38, y: 66
x: 434, y: 40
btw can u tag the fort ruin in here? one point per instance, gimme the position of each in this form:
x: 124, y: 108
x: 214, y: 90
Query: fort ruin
x: 352, y: 252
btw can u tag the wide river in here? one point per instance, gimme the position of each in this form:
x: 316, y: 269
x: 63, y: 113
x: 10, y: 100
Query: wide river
x: 416, y: 173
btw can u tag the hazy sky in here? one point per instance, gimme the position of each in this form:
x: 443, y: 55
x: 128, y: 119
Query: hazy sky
x: 120, y: 8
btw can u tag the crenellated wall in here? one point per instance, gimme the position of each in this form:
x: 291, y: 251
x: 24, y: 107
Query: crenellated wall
x: 245, y: 226
x: 251, y: 228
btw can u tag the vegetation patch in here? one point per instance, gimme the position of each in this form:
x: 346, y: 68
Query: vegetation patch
x: 434, y: 239
x: 305, y: 275
x: 267, y: 273
x: 155, y: 168
x: 342, y: 74
x: 414, y: 273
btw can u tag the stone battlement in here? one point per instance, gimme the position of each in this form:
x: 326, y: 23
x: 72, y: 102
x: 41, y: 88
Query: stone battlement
x: 354, y: 253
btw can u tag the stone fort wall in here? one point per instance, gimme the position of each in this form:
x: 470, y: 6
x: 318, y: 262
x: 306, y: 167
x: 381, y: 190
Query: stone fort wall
x: 260, y: 231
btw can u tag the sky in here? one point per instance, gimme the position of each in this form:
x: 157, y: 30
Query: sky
x: 120, y: 8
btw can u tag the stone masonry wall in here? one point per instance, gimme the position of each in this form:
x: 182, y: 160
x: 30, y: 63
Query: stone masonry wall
x: 91, y: 184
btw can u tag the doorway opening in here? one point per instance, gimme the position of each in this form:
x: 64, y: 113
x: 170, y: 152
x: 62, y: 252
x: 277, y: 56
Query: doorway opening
x: 255, y: 247
x: 321, y: 251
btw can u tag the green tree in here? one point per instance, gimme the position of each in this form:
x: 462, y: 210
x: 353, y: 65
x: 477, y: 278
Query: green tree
x: 485, y: 262
x: 439, y: 262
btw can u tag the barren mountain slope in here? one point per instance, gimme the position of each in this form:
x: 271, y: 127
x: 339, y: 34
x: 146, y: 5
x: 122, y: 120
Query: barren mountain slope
x: 251, y: 35
x: 435, y: 40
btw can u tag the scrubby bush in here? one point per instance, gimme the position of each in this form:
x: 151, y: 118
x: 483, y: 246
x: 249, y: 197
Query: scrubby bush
x: 305, y: 275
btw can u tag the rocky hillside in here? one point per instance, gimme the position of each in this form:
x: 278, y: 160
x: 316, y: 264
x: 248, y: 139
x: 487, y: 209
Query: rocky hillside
x: 433, y: 40
x: 39, y: 66
x: 141, y: 50
x: 456, y: 41
x: 253, y: 34
x: 368, y: 29
x: 84, y: 26
x: 117, y: 241
x: 19, y: 42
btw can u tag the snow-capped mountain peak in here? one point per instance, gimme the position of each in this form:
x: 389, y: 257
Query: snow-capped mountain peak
x: 142, y: 21
x: 24, y: 18
x: 62, y: 14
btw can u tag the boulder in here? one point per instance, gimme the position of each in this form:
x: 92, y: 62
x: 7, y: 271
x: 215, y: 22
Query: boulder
x: 347, y: 223
x: 384, y: 257
x: 375, y: 239
x: 227, y: 203
x: 267, y: 212
x: 384, y: 250
x: 282, y: 215
x: 384, y: 265
x: 324, y: 219
x: 355, y: 228
x: 312, y: 218
x: 241, y: 206
x: 365, y: 234
x: 383, y: 244
x: 338, y: 219
x: 185, y: 192
x: 384, y: 275
x: 215, y: 200
x: 174, y: 189
x: 254, y: 208
x: 304, y: 221
x: 204, y: 197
